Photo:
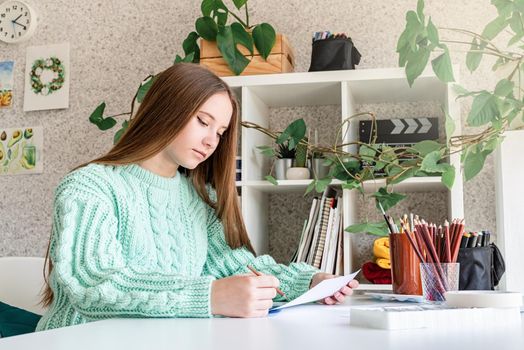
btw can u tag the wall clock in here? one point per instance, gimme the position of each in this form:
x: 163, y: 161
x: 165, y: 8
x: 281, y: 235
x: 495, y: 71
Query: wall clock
x: 17, y: 21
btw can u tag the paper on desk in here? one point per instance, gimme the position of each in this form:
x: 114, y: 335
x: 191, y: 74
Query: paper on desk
x: 324, y: 289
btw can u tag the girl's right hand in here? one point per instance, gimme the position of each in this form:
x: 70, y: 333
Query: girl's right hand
x: 243, y: 296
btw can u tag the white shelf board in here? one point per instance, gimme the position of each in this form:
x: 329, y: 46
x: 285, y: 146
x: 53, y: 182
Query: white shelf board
x: 414, y: 184
x: 284, y: 186
x: 323, y: 88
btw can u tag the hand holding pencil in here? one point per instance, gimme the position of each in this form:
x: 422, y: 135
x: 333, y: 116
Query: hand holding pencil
x: 243, y: 295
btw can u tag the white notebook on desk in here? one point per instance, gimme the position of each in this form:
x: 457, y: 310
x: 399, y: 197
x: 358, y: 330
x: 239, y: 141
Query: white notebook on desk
x: 431, y: 316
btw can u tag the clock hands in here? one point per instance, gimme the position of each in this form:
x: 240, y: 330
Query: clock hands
x: 15, y: 22
x: 21, y: 25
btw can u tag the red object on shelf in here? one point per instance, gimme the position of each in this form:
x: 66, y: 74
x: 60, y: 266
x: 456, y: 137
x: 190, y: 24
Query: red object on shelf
x: 376, y: 274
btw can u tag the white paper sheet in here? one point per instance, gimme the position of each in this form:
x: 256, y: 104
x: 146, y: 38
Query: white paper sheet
x: 322, y: 290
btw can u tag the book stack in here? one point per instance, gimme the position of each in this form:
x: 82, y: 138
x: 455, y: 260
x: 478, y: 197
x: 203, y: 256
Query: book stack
x: 321, y: 241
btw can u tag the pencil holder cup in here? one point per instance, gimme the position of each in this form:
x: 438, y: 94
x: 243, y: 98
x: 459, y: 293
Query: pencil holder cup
x: 438, y: 279
x: 405, y: 266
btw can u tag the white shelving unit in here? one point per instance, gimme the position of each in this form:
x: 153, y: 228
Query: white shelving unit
x: 347, y: 89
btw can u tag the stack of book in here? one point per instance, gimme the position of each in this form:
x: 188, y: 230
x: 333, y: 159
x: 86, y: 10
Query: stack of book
x: 321, y: 241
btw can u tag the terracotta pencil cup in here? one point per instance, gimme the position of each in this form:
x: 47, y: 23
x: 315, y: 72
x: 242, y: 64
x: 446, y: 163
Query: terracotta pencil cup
x: 405, y: 266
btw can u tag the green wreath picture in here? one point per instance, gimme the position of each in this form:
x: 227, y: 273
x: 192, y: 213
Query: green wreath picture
x: 53, y: 64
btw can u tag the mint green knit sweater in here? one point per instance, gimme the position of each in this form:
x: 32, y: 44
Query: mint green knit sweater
x: 129, y: 243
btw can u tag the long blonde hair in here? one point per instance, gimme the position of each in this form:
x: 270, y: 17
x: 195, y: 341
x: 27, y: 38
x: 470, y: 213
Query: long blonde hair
x: 174, y: 98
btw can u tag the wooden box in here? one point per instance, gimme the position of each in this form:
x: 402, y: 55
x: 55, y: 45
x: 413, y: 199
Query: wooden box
x: 280, y: 60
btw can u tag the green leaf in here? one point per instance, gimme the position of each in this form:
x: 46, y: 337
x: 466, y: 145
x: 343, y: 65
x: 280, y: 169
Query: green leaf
x: 310, y: 187
x: 144, y: 88
x: 515, y: 22
x: 504, y: 7
x: 267, y: 151
x: 448, y: 176
x: 206, y: 28
x: 484, y: 109
x: 189, y: 58
x: 221, y: 17
x: 433, y: 33
x: 416, y: 64
x: 271, y: 179
x: 239, y: 3
x: 226, y: 45
x: 426, y: 146
x: 264, y: 37
x: 98, y: 114
x: 442, y: 67
x: 367, y: 153
x: 351, y: 185
x: 397, y: 174
x: 120, y: 132
x: 473, y: 163
x: 516, y: 38
x: 107, y: 123
x: 413, y: 27
x: 494, y: 27
x: 473, y: 58
x: 178, y: 59
x: 429, y: 163
x: 377, y: 228
x: 450, y: 126
x: 387, y: 199
x: 420, y: 10
x: 460, y: 90
x: 321, y: 185
x: 504, y: 88
x: 295, y: 132
x: 242, y: 37
x: 493, y: 143
x: 209, y: 6
x: 190, y: 45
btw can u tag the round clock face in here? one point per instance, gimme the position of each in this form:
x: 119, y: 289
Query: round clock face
x: 17, y: 21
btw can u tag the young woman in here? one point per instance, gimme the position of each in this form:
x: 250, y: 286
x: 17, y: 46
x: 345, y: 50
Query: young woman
x: 136, y: 236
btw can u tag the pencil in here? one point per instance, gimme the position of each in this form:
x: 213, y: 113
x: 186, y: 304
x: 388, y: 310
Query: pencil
x: 259, y: 274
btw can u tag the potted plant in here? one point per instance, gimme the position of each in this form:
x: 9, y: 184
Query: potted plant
x: 231, y: 39
x: 299, y: 169
x: 227, y: 39
x: 319, y: 165
x: 284, y: 160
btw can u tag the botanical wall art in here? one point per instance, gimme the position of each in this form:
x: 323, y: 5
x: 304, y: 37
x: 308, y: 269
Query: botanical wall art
x: 6, y: 83
x: 47, y: 77
x: 21, y: 150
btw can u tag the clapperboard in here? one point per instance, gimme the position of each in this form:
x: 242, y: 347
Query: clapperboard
x: 399, y: 132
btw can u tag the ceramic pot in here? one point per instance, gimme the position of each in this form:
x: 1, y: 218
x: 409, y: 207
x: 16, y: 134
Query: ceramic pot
x: 295, y: 173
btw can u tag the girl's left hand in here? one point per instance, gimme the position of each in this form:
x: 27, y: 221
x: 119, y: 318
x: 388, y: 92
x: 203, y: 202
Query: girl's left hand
x: 339, y: 296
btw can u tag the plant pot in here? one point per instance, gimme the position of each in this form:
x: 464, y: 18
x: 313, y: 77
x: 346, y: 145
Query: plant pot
x: 318, y: 168
x: 295, y: 173
x: 281, y: 166
x: 280, y: 60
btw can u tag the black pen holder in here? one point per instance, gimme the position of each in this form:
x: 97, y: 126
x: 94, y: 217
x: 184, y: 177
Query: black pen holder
x: 481, y: 268
x: 333, y: 54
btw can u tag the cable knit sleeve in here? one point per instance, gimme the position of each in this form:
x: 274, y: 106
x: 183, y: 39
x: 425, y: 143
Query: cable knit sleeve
x: 95, y: 274
x: 222, y: 261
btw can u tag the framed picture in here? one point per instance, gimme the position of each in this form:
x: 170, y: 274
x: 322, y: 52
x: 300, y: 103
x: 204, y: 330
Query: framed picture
x: 6, y: 83
x: 21, y: 150
x: 47, y: 77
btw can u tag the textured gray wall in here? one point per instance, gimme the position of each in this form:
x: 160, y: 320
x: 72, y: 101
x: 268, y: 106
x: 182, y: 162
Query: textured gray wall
x: 115, y: 44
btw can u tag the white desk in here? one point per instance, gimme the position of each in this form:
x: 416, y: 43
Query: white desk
x: 304, y: 327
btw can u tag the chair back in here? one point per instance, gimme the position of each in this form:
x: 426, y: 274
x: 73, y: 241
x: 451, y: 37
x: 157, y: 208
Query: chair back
x: 22, y: 282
